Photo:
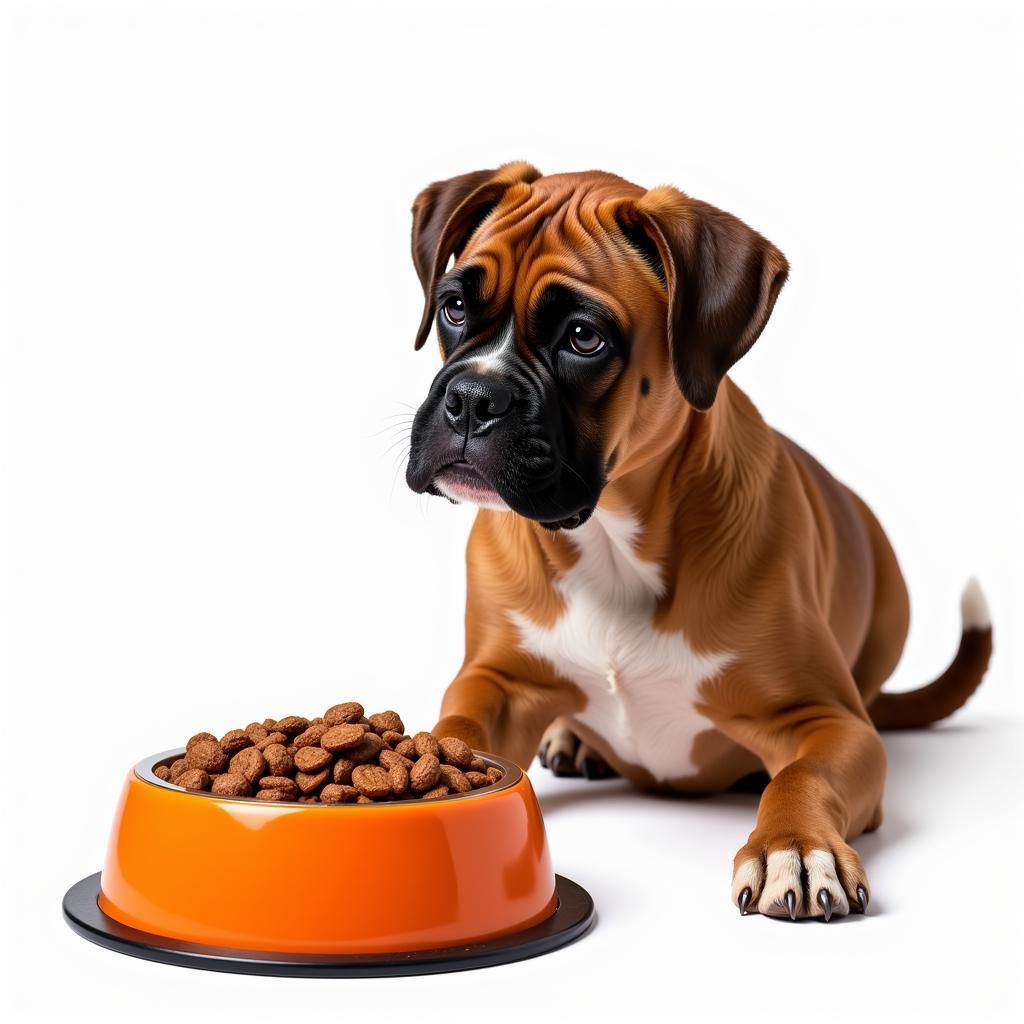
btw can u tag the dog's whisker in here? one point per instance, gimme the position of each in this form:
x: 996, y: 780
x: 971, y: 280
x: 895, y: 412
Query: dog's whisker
x: 393, y: 430
x: 398, y: 422
x: 403, y: 430
x: 399, y: 463
x: 394, y: 444
x: 565, y: 465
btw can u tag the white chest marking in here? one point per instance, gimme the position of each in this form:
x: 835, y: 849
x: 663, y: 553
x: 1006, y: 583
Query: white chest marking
x: 640, y: 683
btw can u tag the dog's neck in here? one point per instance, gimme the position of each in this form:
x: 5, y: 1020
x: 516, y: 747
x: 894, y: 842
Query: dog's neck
x: 710, y: 467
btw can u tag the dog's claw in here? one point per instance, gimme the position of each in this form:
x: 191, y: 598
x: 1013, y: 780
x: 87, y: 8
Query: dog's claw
x: 561, y: 764
x: 825, y: 902
x: 791, y: 904
x: 862, y: 897
x: 592, y: 769
x: 745, y: 901
x: 542, y: 757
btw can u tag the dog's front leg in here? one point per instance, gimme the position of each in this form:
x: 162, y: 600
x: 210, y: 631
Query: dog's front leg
x: 493, y: 711
x: 827, y: 768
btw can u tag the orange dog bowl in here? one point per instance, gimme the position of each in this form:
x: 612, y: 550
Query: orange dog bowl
x: 343, y: 889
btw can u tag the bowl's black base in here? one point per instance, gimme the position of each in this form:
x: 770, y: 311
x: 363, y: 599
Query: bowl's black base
x: 574, y: 916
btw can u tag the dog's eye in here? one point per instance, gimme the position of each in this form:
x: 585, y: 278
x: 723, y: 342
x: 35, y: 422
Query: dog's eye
x: 584, y: 340
x: 454, y: 311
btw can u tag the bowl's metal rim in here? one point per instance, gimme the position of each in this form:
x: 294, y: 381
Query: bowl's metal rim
x: 513, y: 774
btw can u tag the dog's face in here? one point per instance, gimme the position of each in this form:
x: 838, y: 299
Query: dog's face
x: 579, y: 321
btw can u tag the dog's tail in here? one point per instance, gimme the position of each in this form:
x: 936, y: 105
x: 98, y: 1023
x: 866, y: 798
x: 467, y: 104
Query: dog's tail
x: 952, y: 689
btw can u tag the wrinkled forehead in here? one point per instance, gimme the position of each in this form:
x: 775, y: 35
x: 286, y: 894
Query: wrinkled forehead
x: 539, y: 240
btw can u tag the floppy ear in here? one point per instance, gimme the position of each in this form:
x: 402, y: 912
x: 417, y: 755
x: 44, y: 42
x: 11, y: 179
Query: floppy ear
x: 722, y: 278
x: 444, y: 217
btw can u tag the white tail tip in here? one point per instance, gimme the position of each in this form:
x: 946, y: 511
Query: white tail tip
x: 974, y: 607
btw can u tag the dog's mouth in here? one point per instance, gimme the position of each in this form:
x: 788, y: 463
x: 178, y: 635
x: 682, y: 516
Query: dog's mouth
x: 461, y: 481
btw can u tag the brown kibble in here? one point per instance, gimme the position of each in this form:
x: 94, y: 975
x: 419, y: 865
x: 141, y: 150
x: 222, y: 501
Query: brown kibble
x: 388, y: 758
x: 386, y: 721
x: 206, y: 755
x: 277, y: 795
x: 275, y: 782
x: 311, y: 736
x: 343, y: 757
x: 455, y: 751
x: 194, y: 778
x: 200, y: 737
x: 279, y: 761
x: 308, y: 782
x: 249, y: 763
x: 311, y: 759
x: 280, y: 782
x: 367, y: 750
x: 454, y: 779
x: 234, y: 741
x: 426, y: 743
x: 342, y: 714
x: 342, y: 737
x: 407, y: 749
x: 398, y: 776
x: 292, y: 725
x: 256, y: 732
x: 231, y: 784
x: 425, y: 773
x: 270, y: 739
x: 372, y: 781
x: 333, y: 794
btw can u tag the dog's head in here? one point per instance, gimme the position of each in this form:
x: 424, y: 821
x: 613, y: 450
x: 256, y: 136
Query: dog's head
x: 579, y: 318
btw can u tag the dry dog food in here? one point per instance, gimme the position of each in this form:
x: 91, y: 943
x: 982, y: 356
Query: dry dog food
x: 341, y: 757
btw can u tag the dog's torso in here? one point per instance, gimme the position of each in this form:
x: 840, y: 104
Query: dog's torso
x: 640, y: 683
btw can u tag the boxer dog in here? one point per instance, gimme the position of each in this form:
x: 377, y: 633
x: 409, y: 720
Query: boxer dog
x: 657, y: 580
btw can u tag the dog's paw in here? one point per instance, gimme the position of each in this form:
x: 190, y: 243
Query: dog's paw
x: 567, y: 756
x: 792, y: 878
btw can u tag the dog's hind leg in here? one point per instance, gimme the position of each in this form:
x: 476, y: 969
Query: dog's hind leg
x: 890, y: 613
x: 565, y: 754
x: 558, y: 748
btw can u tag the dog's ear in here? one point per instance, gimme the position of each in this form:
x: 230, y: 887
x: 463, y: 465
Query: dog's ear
x: 722, y: 279
x: 444, y: 217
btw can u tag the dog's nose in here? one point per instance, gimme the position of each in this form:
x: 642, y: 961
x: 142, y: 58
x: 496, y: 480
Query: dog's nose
x: 474, y: 402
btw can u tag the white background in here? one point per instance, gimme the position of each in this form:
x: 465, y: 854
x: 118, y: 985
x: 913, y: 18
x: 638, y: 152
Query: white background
x: 212, y: 311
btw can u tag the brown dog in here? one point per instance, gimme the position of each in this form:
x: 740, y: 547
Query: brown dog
x: 684, y: 590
